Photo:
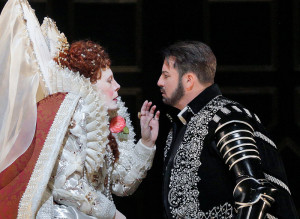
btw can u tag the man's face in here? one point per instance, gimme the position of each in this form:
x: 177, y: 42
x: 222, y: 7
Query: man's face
x: 170, y: 84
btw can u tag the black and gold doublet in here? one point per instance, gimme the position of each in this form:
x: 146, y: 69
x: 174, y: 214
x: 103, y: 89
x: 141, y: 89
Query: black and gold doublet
x: 198, y: 182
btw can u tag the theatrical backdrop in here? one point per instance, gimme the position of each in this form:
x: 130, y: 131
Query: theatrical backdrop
x: 257, y: 45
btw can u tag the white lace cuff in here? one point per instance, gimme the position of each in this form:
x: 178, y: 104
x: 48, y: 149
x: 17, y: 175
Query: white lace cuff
x: 144, y: 151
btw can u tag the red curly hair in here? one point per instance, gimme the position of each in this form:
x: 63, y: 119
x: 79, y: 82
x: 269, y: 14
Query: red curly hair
x: 86, y: 57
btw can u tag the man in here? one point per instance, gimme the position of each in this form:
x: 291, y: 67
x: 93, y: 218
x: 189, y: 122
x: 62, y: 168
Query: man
x: 218, y: 160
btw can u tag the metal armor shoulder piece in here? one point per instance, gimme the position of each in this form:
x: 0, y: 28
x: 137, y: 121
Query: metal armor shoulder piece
x: 235, y: 141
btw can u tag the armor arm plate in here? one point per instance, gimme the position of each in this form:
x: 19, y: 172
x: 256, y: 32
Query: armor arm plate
x: 253, y: 194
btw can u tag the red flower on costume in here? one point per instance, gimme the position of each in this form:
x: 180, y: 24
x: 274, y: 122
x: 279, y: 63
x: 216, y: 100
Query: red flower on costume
x: 117, y: 124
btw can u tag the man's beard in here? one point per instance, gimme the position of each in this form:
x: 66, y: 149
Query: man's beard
x: 175, y: 96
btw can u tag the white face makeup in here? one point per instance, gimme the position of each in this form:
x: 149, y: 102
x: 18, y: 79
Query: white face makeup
x: 109, y: 87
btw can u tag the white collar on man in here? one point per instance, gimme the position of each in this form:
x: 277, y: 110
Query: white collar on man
x: 184, y: 114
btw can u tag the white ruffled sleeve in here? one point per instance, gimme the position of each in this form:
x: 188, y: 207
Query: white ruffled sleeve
x: 131, y: 168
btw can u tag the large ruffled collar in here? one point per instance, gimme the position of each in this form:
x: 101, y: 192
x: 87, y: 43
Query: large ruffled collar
x: 97, y: 118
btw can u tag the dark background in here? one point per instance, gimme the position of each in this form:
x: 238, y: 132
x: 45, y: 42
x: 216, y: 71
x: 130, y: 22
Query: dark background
x: 256, y: 42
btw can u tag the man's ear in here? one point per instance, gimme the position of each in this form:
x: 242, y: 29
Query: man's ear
x: 189, y: 81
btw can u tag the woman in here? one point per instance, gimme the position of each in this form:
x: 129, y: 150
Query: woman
x: 118, y: 167
x: 83, y: 148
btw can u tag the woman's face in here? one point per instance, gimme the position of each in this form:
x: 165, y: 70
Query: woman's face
x: 109, y: 87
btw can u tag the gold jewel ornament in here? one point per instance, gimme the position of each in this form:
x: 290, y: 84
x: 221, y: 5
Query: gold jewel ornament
x: 63, y: 47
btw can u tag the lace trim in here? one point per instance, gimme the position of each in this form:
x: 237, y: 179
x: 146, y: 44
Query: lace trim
x: 168, y: 144
x: 32, y: 196
x: 183, y: 194
x: 223, y: 211
x: 265, y: 138
x: 278, y: 182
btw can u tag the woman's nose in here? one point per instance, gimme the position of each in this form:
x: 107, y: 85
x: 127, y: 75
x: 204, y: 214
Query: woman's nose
x: 117, y: 86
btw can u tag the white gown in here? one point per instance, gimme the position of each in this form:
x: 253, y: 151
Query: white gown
x: 71, y: 183
x: 75, y: 174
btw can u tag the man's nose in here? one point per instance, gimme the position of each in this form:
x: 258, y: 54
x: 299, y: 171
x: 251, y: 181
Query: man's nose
x: 159, y: 82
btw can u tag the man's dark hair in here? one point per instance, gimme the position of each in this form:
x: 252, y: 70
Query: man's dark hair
x: 192, y: 56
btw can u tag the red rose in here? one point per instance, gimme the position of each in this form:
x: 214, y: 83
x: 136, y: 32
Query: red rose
x: 117, y: 124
